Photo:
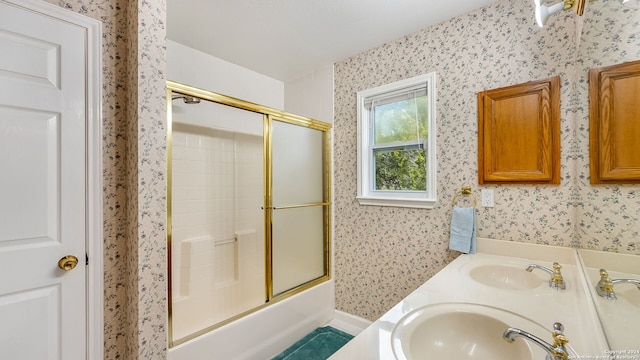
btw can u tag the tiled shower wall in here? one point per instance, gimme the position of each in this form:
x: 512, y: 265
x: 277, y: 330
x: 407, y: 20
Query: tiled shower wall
x: 383, y: 253
x: 217, y: 226
x: 202, y: 206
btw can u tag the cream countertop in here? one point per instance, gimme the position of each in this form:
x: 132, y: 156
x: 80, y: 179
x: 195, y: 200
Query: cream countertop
x: 572, y: 307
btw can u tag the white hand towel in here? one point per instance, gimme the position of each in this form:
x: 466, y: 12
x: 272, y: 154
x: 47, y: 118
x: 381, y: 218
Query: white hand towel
x: 463, y: 230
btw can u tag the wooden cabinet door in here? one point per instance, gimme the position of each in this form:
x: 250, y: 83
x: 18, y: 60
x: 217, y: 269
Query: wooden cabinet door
x: 519, y: 134
x: 614, y: 124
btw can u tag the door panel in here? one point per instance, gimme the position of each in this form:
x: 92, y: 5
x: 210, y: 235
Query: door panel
x: 297, y: 165
x: 42, y: 186
x: 298, y: 247
x: 34, y: 315
x: 26, y: 57
x: 28, y: 141
x: 614, y: 129
x: 519, y: 133
x: 298, y: 231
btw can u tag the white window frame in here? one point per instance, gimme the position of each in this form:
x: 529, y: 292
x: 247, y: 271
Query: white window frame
x: 413, y: 199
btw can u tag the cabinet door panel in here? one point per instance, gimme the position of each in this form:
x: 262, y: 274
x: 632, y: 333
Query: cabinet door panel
x: 519, y: 133
x: 614, y: 124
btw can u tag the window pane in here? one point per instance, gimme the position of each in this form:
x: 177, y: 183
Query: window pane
x: 400, y: 169
x: 404, y: 120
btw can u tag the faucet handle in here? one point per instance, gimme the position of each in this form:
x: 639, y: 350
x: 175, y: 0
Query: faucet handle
x: 558, y: 335
x: 559, y: 342
x: 557, y: 281
x: 605, y: 286
x: 606, y: 281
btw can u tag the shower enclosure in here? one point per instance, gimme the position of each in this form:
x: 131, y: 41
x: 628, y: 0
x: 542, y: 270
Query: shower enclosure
x: 248, y: 208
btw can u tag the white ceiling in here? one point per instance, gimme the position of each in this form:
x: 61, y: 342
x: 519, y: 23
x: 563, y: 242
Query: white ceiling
x: 285, y: 39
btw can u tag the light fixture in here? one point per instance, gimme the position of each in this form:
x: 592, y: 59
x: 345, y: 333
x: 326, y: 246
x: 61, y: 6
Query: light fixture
x: 543, y: 12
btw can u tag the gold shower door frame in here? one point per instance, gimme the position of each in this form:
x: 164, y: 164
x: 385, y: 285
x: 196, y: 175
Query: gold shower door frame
x: 269, y: 116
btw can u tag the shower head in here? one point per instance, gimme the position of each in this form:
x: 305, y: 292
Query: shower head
x: 186, y: 98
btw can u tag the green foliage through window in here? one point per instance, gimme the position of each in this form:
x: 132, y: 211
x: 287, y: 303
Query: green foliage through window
x: 399, y: 154
x: 401, y: 170
x: 401, y: 121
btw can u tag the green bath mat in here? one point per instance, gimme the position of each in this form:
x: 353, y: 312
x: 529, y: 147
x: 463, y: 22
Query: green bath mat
x: 318, y: 345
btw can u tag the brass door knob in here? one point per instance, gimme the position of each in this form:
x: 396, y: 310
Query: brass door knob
x: 68, y: 262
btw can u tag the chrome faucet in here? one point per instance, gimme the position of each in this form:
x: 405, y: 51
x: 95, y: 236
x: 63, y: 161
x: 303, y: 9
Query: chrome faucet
x: 556, y: 281
x: 604, y: 288
x: 557, y: 351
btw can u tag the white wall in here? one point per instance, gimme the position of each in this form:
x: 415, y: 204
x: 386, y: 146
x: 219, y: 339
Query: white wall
x: 264, y: 333
x: 195, y: 68
x: 311, y: 95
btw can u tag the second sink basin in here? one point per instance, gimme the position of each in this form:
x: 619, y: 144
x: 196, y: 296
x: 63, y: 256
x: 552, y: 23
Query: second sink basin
x: 464, y: 332
x: 629, y: 293
x: 506, y: 277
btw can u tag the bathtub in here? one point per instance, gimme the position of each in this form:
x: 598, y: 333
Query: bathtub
x: 264, y: 333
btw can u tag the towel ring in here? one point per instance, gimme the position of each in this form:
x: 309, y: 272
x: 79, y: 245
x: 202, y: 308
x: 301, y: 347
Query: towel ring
x: 466, y: 190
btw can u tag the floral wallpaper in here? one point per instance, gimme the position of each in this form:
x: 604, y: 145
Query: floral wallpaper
x: 133, y: 130
x: 608, y: 216
x: 381, y: 254
x: 384, y: 253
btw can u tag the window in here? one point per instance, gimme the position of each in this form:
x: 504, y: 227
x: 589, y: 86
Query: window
x: 396, y: 144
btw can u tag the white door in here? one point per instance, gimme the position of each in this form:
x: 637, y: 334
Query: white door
x: 42, y: 186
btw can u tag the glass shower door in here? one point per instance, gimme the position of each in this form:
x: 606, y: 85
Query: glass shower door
x: 247, y: 208
x: 299, y: 221
x: 216, y: 225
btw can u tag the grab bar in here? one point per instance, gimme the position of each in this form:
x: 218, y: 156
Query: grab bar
x: 225, y: 241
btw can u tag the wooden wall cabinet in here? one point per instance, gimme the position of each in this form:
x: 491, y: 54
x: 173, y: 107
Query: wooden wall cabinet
x: 519, y: 134
x: 614, y: 124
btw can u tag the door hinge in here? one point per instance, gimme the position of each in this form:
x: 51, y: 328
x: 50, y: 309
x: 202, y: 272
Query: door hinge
x: 86, y: 259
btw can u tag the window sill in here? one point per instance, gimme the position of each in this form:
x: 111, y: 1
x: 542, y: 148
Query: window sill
x: 398, y: 202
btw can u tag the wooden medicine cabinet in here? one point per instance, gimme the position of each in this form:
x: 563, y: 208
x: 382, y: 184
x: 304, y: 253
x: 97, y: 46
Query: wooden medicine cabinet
x: 614, y: 124
x: 519, y: 134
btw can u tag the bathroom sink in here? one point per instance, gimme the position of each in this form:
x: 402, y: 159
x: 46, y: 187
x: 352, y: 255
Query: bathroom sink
x: 464, y: 332
x: 629, y: 293
x: 506, y: 277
